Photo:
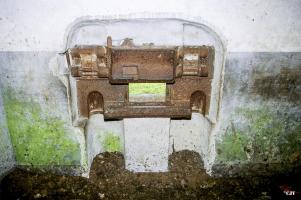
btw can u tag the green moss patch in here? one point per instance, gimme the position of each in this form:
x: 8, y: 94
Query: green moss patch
x: 111, y: 143
x: 233, y: 147
x: 266, y: 135
x: 37, y: 138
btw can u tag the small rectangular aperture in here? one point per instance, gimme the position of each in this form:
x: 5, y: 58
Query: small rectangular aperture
x: 147, y: 92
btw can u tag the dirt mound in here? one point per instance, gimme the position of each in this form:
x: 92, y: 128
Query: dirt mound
x: 109, y: 180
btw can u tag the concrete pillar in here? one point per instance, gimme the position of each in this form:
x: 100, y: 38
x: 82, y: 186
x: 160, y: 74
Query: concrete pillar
x: 191, y: 135
x: 103, y: 136
x: 146, y: 144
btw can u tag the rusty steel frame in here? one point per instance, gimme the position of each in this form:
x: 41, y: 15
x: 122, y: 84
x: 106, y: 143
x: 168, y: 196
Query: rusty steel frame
x: 103, y: 73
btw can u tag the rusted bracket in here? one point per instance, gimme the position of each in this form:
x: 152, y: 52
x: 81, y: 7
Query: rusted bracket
x: 103, y: 75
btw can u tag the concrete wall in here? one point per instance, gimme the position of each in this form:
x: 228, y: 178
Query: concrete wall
x: 246, y: 25
x: 36, y: 110
x: 260, y: 120
x: 7, y: 160
x: 261, y: 109
x: 255, y: 123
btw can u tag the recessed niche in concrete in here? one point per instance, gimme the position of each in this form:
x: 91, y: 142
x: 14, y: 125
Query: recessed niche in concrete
x: 196, y: 134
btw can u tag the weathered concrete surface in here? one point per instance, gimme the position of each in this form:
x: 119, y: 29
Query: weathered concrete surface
x: 252, y: 25
x: 261, y: 110
x: 43, y: 87
x: 191, y: 135
x: 7, y: 159
x: 103, y: 136
x: 37, y: 114
x: 250, y: 105
x: 260, y: 113
x: 146, y: 144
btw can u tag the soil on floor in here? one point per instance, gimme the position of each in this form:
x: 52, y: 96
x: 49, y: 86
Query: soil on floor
x: 109, y: 179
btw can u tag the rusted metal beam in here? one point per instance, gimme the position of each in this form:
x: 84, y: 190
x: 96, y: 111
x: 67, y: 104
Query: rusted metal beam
x: 103, y: 73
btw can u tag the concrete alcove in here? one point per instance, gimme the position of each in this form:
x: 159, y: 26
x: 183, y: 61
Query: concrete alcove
x: 198, y: 102
x: 95, y: 103
x: 197, y: 131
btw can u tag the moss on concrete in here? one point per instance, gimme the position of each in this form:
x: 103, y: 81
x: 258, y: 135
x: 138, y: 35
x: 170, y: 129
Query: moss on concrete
x: 111, y: 143
x: 37, y: 138
x: 266, y: 135
x: 232, y: 147
x: 291, y: 146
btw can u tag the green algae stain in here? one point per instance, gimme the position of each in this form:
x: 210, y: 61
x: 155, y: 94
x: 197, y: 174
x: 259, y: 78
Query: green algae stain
x: 291, y: 146
x: 37, y: 138
x: 111, y: 143
x: 266, y: 136
x: 233, y: 147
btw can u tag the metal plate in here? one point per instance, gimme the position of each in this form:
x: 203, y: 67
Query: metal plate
x: 103, y: 73
x: 142, y: 65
